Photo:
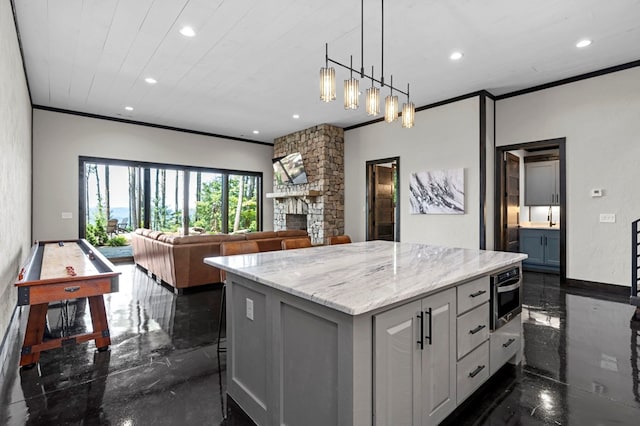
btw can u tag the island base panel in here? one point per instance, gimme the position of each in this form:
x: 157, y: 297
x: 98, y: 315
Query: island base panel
x: 303, y: 356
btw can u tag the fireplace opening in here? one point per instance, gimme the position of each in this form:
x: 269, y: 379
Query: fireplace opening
x: 296, y: 221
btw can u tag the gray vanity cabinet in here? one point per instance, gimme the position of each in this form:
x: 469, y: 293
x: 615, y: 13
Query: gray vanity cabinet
x: 542, y: 246
x: 542, y: 183
x: 415, y: 362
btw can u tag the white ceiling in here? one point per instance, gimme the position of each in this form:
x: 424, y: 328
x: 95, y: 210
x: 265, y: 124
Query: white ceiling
x: 255, y: 63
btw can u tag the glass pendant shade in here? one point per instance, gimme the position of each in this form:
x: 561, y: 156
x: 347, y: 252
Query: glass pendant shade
x: 390, y: 108
x: 327, y: 84
x: 351, y: 93
x: 373, y: 100
x: 408, y: 115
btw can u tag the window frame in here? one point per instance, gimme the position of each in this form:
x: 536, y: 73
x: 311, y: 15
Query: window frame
x: 146, y: 166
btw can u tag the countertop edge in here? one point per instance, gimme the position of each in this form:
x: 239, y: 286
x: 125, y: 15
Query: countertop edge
x: 519, y: 257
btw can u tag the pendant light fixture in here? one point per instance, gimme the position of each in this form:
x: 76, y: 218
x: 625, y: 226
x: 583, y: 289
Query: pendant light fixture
x: 373, y: 99
x: 408, y: 113
x: 351, y: 91
x: 391, y: 106
x: 327, y: 80
x: 351, y: 86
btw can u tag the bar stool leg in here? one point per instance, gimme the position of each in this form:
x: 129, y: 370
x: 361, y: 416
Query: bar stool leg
x: 222, y: 317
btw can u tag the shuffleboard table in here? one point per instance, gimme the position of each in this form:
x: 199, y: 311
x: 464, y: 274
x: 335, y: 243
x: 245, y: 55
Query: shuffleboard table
x: 59, y: 271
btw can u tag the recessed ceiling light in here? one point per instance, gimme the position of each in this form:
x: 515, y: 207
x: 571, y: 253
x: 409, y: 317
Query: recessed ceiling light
x: 296, y: 116
x: 255, y: 132
x: 129, y: 108
x: 187, y: 31
x: 151, y: 80
x: 455, y: 56
x: 583, y: 43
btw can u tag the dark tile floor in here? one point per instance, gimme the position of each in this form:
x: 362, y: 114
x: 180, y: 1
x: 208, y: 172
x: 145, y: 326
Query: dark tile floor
x: 581, y: 360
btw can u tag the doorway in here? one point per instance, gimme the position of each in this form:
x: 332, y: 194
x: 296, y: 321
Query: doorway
x: 383, y: 209
x: 514, y: 212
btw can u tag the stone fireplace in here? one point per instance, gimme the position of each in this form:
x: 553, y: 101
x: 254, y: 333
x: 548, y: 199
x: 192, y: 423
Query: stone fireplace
x: 318, y: 204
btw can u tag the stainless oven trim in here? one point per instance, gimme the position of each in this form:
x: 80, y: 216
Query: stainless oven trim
x: 505, y: 288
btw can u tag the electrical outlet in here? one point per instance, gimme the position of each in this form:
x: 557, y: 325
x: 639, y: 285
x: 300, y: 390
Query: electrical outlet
x: 607, y: 217
x: 250, y: 309
x: 66, y: 215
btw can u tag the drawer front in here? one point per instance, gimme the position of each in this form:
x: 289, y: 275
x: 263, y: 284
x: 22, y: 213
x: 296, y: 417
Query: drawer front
x: 45, y: 293
x: 473, y: 371
x: 505, y: 343
x: 473, y: 329
x: 472, y: 294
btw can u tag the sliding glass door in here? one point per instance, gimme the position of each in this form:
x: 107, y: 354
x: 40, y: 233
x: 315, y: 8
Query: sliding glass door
x: 113, y: 200
x: 243, y: 203
x: 206, y: 201
x: 167, y: 196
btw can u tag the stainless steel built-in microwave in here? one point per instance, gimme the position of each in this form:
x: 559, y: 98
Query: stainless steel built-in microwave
x: 506, y: 296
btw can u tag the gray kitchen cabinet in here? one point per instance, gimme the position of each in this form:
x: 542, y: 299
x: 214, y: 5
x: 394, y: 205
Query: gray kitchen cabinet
x: 415, y: 361
x: 542, y: 183
x: 543, y: 248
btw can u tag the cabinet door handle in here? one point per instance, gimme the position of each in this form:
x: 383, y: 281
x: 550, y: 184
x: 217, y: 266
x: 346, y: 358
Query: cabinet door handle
x: 421, y: 341
x: 477, y: 329
x: 478, y: 293
x: 429, y: 339
x: 475, y: 372
x: 508, y: 343
x: 540, y: 239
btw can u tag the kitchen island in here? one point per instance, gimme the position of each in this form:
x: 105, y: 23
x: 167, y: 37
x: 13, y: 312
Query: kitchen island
x: 359, y: 334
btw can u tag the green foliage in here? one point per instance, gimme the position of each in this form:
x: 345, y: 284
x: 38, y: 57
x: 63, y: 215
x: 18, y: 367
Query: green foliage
x: 209, y: 208
x: 96, y: 233
x: 117, y: 241
x: 91, y: 235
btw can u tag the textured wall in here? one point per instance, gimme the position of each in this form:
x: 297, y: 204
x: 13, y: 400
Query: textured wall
x: 15, y: 164
x: 600, y: 117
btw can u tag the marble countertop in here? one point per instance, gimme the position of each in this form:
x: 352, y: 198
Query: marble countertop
x: 360, y: 277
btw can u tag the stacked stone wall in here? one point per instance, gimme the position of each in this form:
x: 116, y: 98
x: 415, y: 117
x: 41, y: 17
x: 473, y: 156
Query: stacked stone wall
x: 322, y: 150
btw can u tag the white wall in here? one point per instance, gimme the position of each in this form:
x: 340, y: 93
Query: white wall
x: 444, y: 137
x: 600, y: 117
x: 59, y: 139
x: 15, y: 165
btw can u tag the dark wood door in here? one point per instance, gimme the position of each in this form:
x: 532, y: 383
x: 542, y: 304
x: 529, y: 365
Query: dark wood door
x: 384, y: 206
x: 512, y: 202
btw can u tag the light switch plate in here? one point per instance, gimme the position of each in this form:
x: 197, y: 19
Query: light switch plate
x: 66, y: 215
x: 250, y: 309
x: 607, y: 217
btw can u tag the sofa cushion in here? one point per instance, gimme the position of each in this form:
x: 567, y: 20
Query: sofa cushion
x: 260, y: 235
x: 155, y: 234
x: 195, y: 239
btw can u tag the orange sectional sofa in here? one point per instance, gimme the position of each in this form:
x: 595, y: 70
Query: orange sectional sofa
x: 178, y: 260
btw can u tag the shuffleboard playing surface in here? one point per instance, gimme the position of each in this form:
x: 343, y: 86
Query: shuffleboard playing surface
x: 56, y: 259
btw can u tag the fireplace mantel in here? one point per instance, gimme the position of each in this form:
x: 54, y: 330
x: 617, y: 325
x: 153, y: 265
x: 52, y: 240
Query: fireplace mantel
x: 294, y: 194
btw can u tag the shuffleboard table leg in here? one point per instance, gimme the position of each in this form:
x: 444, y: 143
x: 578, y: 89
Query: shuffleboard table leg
x: 99, y: 319
x: 34, y: 334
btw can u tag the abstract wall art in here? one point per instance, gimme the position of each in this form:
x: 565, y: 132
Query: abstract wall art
x: 437, y: 192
